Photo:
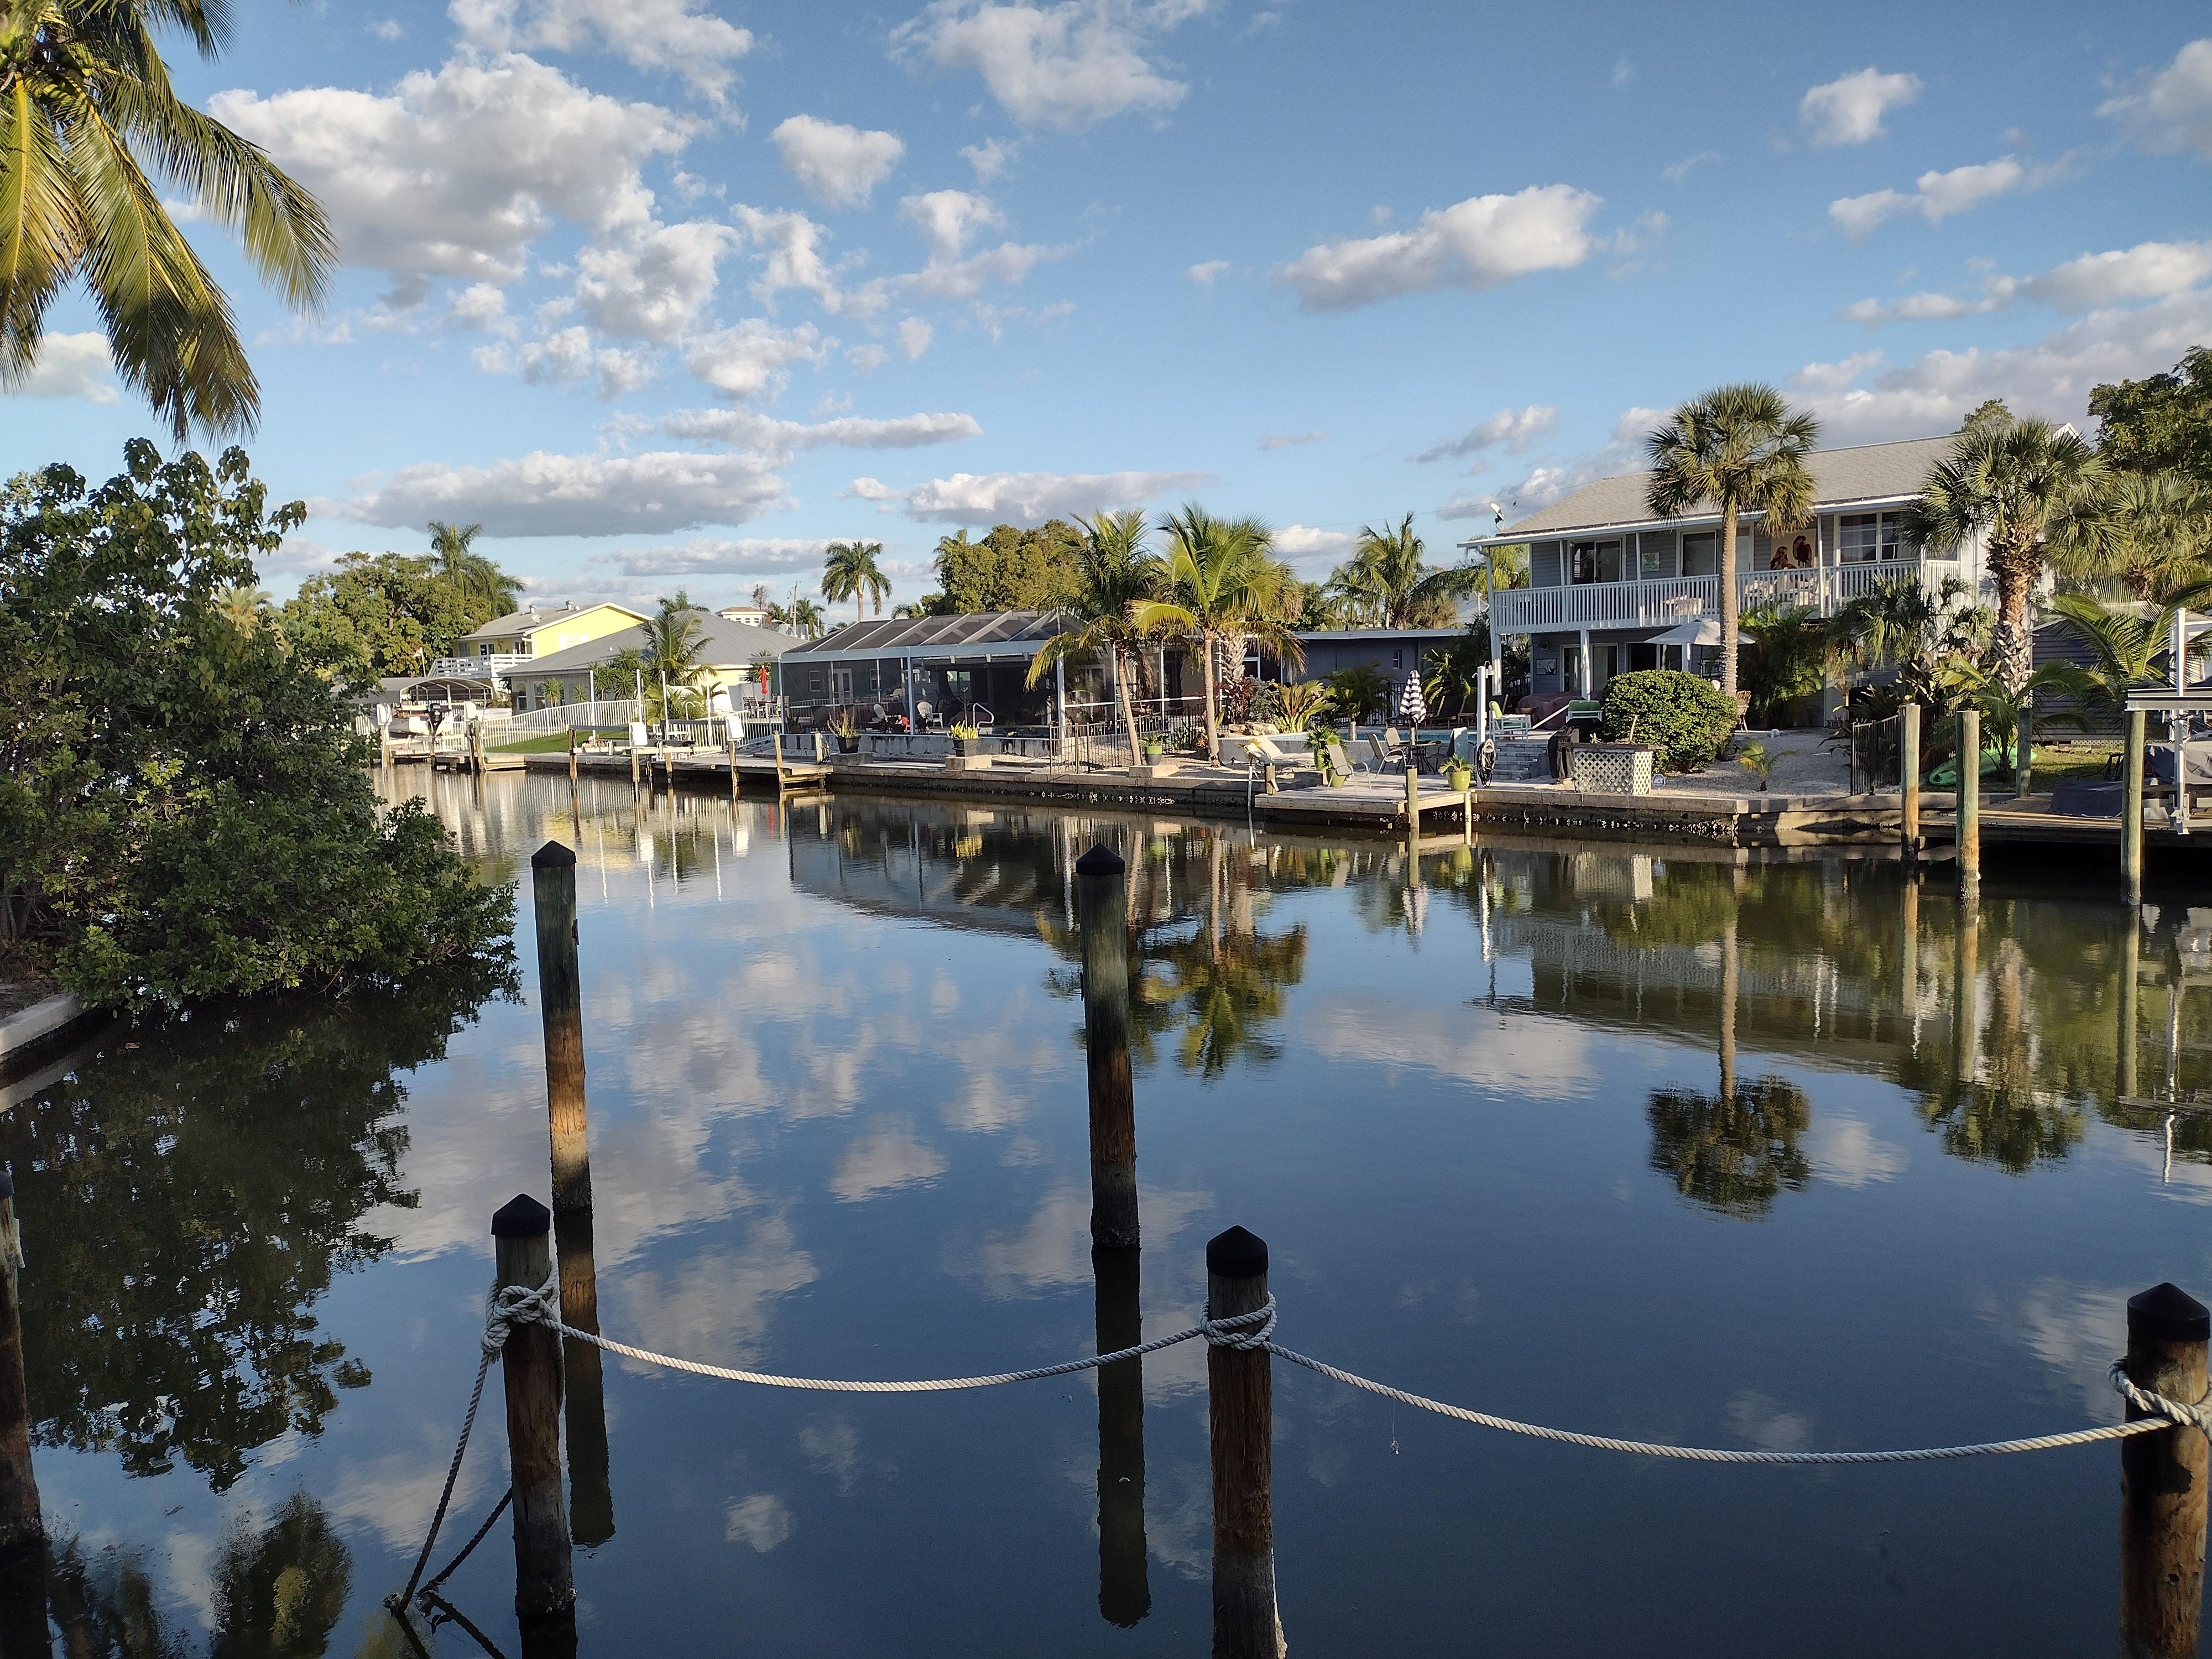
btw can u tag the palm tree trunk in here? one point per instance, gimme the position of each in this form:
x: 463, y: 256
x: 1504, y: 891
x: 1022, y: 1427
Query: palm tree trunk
x: 1128, y: 711
x: 1729, y: 606
x: 2013, y: 571
x: 1212, y: 721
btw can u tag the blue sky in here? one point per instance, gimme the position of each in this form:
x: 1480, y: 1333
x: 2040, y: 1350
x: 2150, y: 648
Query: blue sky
x: 671, y: 292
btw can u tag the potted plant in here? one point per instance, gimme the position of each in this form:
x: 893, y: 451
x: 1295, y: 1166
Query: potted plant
x: 846, y: 731
x: 1460, y: 776
x: 966, y: 740
x: 1155, y: 748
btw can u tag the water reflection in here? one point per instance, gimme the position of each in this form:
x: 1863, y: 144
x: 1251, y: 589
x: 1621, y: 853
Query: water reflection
x: 1733, y: 1152
x: 191, y: 1193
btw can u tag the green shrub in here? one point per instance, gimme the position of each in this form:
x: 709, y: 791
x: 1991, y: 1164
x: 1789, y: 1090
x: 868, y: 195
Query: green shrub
x: 1680, y: 715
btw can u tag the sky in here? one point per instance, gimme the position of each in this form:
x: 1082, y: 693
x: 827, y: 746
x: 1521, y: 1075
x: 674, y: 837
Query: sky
x: 671, y: 293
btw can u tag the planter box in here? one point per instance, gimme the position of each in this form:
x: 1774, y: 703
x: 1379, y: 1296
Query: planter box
x: 1159, y: 768
x: 969, y: 763
x: 1611, y: 769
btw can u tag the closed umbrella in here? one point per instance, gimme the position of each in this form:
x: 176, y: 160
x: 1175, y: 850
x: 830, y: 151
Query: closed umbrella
x: 1412, y: 708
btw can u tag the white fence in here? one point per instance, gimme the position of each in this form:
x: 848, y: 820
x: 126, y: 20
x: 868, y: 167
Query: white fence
x: 1672, y: 599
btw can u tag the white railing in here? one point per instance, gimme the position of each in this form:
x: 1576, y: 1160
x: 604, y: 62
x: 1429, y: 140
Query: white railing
x: 478, y: 668
x: 1826, y: 588
x: 621, y: 711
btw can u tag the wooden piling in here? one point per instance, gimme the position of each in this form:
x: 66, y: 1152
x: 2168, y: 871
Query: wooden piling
x: 572, y: 760
x: 544, y: 1591
x: 1908, y: 969
x: 1412, y: 794
x: 2163, y: 1481
x: 21, y: 1525
x: 1239, y: 1400
x: 1101, y: 907
x: 1125, y: 1594
x: 1968, y: 816
x: 2023, y: 764
x: 2131, y: 793
x: 634, y: 783
x: 1966, y: 993
x: 1909, y: 781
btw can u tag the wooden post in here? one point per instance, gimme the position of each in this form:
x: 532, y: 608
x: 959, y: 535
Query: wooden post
x: 1908, y: 972
x: 2163, y: 1481
x: 572, y: 760
x: 632, y: 765
x: 559, y: 992
x: 2131, y: 793
x: 1965, y: 992
x: 544, y: 1590
x: 1240, y: 1399
x: 1909, y: 781
x: 1125, y: 1594
x: 1968, y: 815
x: 1413, y: 794
x: 734, y: 768
x: 2023, y: 766
x: 21, y: 1525
x: 1101, y: 907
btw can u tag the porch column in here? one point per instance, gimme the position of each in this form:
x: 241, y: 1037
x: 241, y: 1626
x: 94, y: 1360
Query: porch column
x: 913, y: 721
x: 1582, y: 638
x: 1060, y: 697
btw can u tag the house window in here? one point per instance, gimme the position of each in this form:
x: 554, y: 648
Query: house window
x: 1701, y: 553
x: 1397, y: 660
x: 1595, y: 562
x: 1863, y: 537
x: 1650, y: 557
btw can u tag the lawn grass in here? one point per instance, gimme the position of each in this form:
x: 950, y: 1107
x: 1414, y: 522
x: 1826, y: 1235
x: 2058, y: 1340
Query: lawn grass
x: 550, y: 742
x: 2067, y: 762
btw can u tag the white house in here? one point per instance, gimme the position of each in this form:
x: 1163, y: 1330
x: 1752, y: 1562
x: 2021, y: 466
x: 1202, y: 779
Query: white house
x: 1611, y: 588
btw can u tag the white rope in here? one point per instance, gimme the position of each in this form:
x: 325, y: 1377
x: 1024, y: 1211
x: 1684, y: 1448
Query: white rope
x: 515, y: 1306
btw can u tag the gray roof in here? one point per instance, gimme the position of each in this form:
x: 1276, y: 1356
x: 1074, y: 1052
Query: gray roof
x: 722, y: 644
x: 518, y: 621
x: 898, y: 637
x: 1867, y: 472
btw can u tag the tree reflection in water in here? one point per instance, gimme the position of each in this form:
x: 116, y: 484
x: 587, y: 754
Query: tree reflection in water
x: 1733, y: 1153
x: 191, y: 1193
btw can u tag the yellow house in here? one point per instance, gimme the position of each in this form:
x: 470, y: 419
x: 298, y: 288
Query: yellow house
x: 506, y: 643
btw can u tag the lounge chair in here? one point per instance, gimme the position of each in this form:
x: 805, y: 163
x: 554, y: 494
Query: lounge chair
x: 1384, y: 754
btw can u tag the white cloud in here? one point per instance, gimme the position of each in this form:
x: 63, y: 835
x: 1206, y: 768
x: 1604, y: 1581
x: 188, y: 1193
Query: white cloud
x: 1858, y: 403
x: 1314, y: 551
x: 387, y: 29
x: 1511, y: 429
x: 1677, y: 172
x: 1290, y: 440
x: 654, y: 288
x: 677, y: 35
x: 1623, y: 452
x: 742, y: 429
x: 1206, y: 271
x: 1623, y: 73
x: 837, y: 164
x: 1477, y: 243
x: 788, y: 246
x: 946, y: 218
x: 867, y: 489
x: 70, y: 366
x: 777, y: 555
x: 962, y: 279
x: 1032, y: 498
x: 568, y: 356
x: 991, y: 158
x: 763, y: 1520
x: 1067, y: 65
x: 1849, y: 110
x: 914, y: 337
x: 867, y: 358
x: 543, y: 494
x: 750, y: 359
x: 1937, y: 196
x: 481, y: 306
x: 456, y: 172
x: 2173, y: 109
x: 2148, y: 270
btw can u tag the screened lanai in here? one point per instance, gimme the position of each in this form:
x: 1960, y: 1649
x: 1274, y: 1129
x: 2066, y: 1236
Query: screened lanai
x: 925, y: 673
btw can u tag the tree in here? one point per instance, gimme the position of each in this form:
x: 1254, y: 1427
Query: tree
x: 670, y: 654
x: 1733, y: 1153
x: 184, y: 809
x: 472, y: 576
x: 1737, y: 449
x: 804, y: 615
x: 244, y: 605
x: 2127, y: 645
x: 1358, y: 690
x: 1009, y: 570
x: 88, y: 101
x: 1790, y: 649
x: 1899, y: 623
x: 2011, y: 485
x: 1386, y: 585
x: 1115, y: 572
x: 2153, y: 530
x: 389, y: 614
x: 2162, y: 423
x: 1215, y: 584
x: 850, y: 573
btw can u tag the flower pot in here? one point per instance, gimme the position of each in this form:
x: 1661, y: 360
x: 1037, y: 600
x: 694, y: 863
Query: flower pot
x: 1155, y: 752
x: 848, y: 745
x: 1461, y: 778
x: 966, y: 746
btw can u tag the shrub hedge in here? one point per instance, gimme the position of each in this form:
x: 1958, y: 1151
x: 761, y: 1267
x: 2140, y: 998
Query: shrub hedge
x: 1684, y: 719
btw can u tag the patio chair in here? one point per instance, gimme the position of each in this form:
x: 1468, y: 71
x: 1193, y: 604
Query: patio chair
x: 1384, y: 755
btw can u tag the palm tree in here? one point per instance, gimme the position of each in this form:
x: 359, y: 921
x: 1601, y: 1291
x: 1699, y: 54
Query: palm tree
x: 1741, y: 449
x: 850, y: 573
x: 2154, y: 530
x: 803, y: 614
x: 1899, y: 623
x: 1216, y: 582
x: 1114, y: 573
x: 1791, y: 649
x: 88, y: 96
x: 2125, y: 642
x: 244, y: 605
x: 670, y: 652
x: 1386, y: 582
x: 479, y: 581
x: 2014, y: 483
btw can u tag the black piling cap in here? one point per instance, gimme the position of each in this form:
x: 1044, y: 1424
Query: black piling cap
x: 1100, y: 861
x: 2166, y: 1313
x: 553, y: 856
x: 1236, y: 1254
x: 521, y: 1217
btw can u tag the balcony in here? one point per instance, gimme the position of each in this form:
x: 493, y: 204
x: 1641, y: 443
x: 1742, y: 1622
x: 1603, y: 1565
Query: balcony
x: 478, y: 668
x: 1672, y: 599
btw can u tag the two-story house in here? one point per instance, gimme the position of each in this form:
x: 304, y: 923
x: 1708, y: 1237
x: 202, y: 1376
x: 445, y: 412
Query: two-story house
x: 520, y: 637
x: 1612, y: 588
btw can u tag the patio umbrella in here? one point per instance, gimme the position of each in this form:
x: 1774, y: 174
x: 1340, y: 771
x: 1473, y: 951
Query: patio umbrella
x: 1412, y: 708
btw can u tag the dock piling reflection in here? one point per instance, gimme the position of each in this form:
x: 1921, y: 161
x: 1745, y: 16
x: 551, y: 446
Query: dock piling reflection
x: 1101, y: 903
x: 1125, y: 1594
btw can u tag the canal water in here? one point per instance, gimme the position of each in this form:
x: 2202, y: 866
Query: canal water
x: 1489, y: 1115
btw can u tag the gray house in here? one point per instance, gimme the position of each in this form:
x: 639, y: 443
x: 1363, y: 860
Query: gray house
x: 730, y: 657
x: 1612, y: 588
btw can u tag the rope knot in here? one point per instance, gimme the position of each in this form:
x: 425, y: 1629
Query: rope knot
x: 509, y: 1305
x: 1227, y: 1333
x: 2157, y: 1404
